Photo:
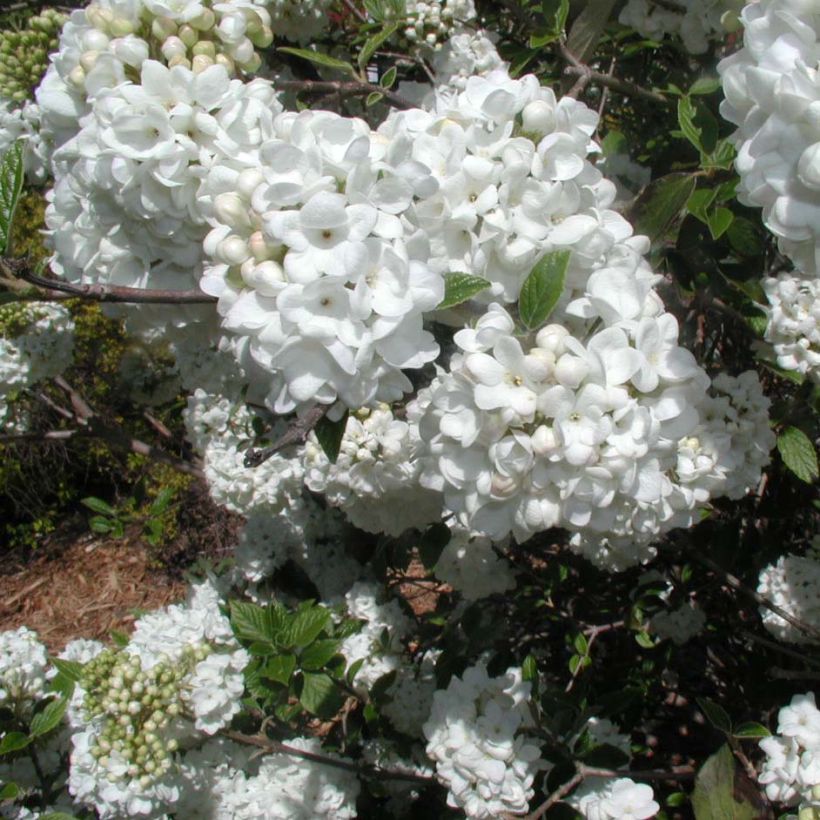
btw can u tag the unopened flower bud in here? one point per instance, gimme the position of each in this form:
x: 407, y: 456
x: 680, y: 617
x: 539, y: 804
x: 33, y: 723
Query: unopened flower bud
x: 77, y: 77
x: 120, y: 27
x: 179, y: 60
x: 204, y: 21
x: 206, y: 48
x: 163, y: 27
x: 225, y: 61
x: 173, y: 47
x: 538, y: 117
x: 188, y: 35
x: 201, y: 62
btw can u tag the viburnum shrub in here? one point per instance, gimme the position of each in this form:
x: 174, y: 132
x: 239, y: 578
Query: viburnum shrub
x: 466, y: 312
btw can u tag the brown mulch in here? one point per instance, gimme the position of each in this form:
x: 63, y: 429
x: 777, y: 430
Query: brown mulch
x: 90, y: 588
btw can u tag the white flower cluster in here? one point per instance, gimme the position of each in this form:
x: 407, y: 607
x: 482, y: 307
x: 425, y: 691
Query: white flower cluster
x: 298, y: 20
x: 794, y: 322
x: 679, y: 625
x: 411, y: 695
x: 466, y: 54
x: 375, y: 479
x: 379, y: 642
x: 431, y: 22
x: 476, y: 734
x: 36, y: 343
x: 180, y: 674
x: 698, y: 23
x: 309, y: 260
x: 23, y: 123
x: 470, y: 565
x: 23, y: 662
x: 791, y: 771
x: 600, y: 798
x: 793, y: 584
x: 219, y: 428
x: 772, y: 95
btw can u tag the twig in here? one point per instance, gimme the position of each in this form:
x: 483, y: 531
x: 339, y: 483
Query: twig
x: 356, y: 11
x: 276, y: 747
x: 792, y: 653
x: 737, y: 584
x: 345, y: 88
x: 621, y: 86
x: 296, y: 433
x: 559, y: 794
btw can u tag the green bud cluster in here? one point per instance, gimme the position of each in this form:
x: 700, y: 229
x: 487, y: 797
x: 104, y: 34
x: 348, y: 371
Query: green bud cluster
x: 16, y: 318
x: 24, y: 54
x: 138, y: 705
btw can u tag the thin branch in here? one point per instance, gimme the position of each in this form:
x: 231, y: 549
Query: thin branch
x: 792, y: 653
x: 620, y: 86
x: 356, y: 11
x: 345, y: 88
x: 276, y: 747
x: 559, y: 794
x: 734, y: 582
x: 297, y: 433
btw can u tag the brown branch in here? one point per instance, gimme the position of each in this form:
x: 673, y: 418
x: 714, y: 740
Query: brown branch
x: 345, y: 88
x: 734, y: 582
x: 356, y: 11
x: 559, y: 794
x: 297, y: 433
x: 276, y: 747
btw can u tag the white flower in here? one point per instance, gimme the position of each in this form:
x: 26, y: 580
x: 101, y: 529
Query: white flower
x: 621, y: 799
x: 23, y: 661
x: 793, y: 584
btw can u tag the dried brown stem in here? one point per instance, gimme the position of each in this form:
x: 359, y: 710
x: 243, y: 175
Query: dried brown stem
x: 297, y: 433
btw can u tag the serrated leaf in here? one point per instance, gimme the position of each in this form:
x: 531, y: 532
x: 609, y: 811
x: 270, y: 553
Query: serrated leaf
x: 318, y: 654
x: 745, y: 237
x: 163, y: 500
x: 9, y: 791
x: 659, y: 206
x: 798, y: 453
x: 330, y: 434
x: 279, y: 668
x: 255, y: 623
x: 119, y: 638
x: 459, y: 287
x: 320, y: 694
x: 320, y: 59
x: 71, y: 669
x: 373, y: 43
x: 305, y: 626
x: 97, y: 505
x: 11, y: 185
x: 716, y: 715
x: 719, y: 221
x: 13, y: 742
x: 543, y: 288
x: 49, y: 718
x: 751, y: 729
x: 718, y: 785
x: 389, y: 77
x: 432, y: 544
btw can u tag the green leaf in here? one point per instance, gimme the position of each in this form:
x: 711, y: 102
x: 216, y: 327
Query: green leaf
x: 320, y: 59
x: 320, y: 694
x: 353, y: 670
x: 97, y: 505
x: 306, y: 626
x: 644, y: 640
x: 698, y: 204
x: 798, y: 453
x: 374, y: 43
x: 697, y: 124
x: 705, y: 85
x: 459, y: 287
x: 318, y: 654
x: 255, y: 623
x: 330, y: 434
x: 751, y: 729
x: 11, y: 185
x: 119, y: 638
x: 13, y: 742
x: 57, y: 815
x: 49, y: 718
x: 555, y: 14
x: 162, y: 501
x: 372, y: 98
x: 9, y: 791
x: 719, y: 221
x: 718, y: 785
x: 588, y: 26
x: 529, y: 669
x: 433, y: 542
x: 659, y: 206
x: 543, y: 288
x: 721, y: 157
x: 581, y: 645
x: 279, y: 668
x: 716, y: 715
x: 389, y: 77
x: 745, y: 237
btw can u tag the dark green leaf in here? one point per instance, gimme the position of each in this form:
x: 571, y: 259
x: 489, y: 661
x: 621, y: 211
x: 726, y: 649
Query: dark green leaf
x: 13, y: 742
x: 330, y: 434
x: 279, y: 668
x: 320, y: 695
x: 716, y: 788
x: 798, y: 453
x: 97, y: 505
x: 11, y: 184
x: 49, y: 718
x: 745, y: 237
x: 676, y: 799
x: 373, y: 97
x: 57, y: 815
x: 555, y: 14
x: 389, y: 77
x: 587, y: 28
x: 162, y: 501
x: 306, y: 626
x: 320, y: 59
x: 719, y: 221
x: 529, y: 669
x: 71, y: 669
x: 716, y: 715
x: 698, y: 204
x: 751, y: 729
x: 459, y: 287
x: 9, y: 791
x: 659, y: 206
x: 353, y: 670
x: 119, y: 638
x: 374, y: 43
x: 255, y: 623
x: 543, y: 288
x: 318, y: 654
